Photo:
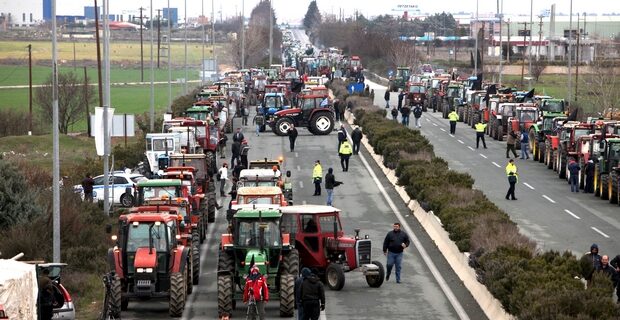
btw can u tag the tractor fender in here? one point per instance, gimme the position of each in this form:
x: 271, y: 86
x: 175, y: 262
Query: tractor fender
x: 180, y: 258
x: 115, y: 261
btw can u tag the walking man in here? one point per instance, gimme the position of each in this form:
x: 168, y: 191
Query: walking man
x: 611, y: 272
x: 312, y: 297
x: 590, y: 262
x: 417, y: 114
x: 245, y: 111
x: 511, y: 140
x: 330, y: 184
x: 292, y: 136
x: 589, y: 186
x: 317, y: 176
x: 394, y: 113
x: 238, y: 136
x: 305, y: 273
x: 345, y: 152
x: 223, y: 174
x: 453, y: 117
x: 525, y: 144
x: 87, y: 185
x: 356, y: 137
x: 386, y: 97
x: 256, y: 294
x: 222, y: 144
x: 236, y: 152
x: 244, y: 153
x: 511, y: 173
x: 342, y: 135
x: 401, y: 96
x: 393, y: 245
x: 480, y: 128
x: 405, y: 111
x: 573, y: 169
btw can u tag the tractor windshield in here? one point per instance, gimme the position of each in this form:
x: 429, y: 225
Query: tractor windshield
x: 159, y: 192
x: 527, y: 115
x: 271, y: 102
x: 581, y: 132
x: 614, y: 151
x: 452, y: 92
x: 249, y: 231
x: 260, y: 199
x: 162, y: 145
x: 355, y: 63
x: 197, y: 115
x: 553, y: 106
x: 138, y: 236
x: 548, y: 124
x: 417, y: 89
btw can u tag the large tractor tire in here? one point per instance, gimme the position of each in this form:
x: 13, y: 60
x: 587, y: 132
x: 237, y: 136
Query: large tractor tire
x: 178, y: 294
x: 225, y: 291
x: 211, y: 162
x: 211, y: 209
x: 290, y: 263
x: 603, y: 187
x: 612, y: 188
x: 189, y: 276
x: 127, y: 200
x: 562, y: 164
x: 541, y: 152
x: 500, y: 131
x: 582, y: 175
x: 322, y: 123
x: 334, y: 276
x: 282, y: 125
x: 228, y: 126
x: 596, y: 181
x: 375, y: 281
x: 459, y: 111
x: 287, y: 295
x: 474, y: 120
x: 115, y: 300
x: 195, y: 259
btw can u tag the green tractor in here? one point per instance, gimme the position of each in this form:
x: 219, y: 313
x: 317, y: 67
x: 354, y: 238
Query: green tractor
x: 607, y: 170
x: 399, y: 80
x: 550, y: 109
x: 256, y: 240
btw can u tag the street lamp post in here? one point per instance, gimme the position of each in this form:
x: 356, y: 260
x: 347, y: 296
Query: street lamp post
x: 185, y: 82
x: 476, y: 57
x: 570, y: 53
x: 152, y: 115
x: 270, y: 35
x: 169, y: 66
x: 242, y: 34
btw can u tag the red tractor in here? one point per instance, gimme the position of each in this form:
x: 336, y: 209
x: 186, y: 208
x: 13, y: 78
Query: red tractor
x: 416, y: 94
x: 149, y: 261
x: 323, y: 246
x: 312, y: 112
x: 355, y: 67
x: 208, y: 136
x: 567, y: 146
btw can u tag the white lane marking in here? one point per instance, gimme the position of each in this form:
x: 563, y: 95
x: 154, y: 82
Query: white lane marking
x: 442, y: 129
x: 495, y: 164
x: 301, y: 184
x: 470, y: 148
x: 427, y: 259
x: 296, y: 155
x: 550, y: 200
x: 451, y: 135
x: 572, y: 214
x: 461, y: 141
x: 483, y: 155
x: 298, y: 168
x: 303, y: 202
x: 528, y: 185
x: 600, y: 232
x: 434, y: 124
x: 427, y: 119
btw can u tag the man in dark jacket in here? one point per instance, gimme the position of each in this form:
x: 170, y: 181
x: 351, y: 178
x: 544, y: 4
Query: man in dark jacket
x: 417, y: 114
x: 611, y: 272
x: 312, y: 297
x: 305, y: 273
x: 243, y: 152
x: 342, y: 135
x: 590, y: 262
x: 589, y: 186
x: 405, y: 111
x: 330, y: 184
x: 236, y: 152
x: 573, y: 169
x: 386, y: 97
x: 238, y: 136
x: 393, y: 245
x: 401, y: 96
x: 87, y: 185
x: 337, y: 106
x: 356, y: 136
x: 292, y: 136
x: 222, y: 144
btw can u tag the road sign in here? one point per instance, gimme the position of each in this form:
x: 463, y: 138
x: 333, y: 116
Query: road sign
x: 524, y: 33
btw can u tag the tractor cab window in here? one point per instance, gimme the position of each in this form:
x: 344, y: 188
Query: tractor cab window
x: 259, y: 200
x: 158, y: 192
x: 614, y: 151
x: 171, y: 234
x: 289, y: 223
x: 249, y: 233
x: 553, y: 106
x: 161, y: 144
x: 270, y: 102
x: 308, y: 104
x: 581, y: 132
x: 310, y: 228
x: 527, y: 115
x: 327, y: 224
x: 138, y: 237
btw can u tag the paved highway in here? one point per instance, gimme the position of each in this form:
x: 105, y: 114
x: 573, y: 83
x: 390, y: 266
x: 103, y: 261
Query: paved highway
x: 364, y: 206
x: 546, y: 210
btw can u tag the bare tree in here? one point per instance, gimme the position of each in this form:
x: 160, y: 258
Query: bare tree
x: 402, y: 53
x: 537, y: 69
x: 70, y: 100
x: 601, y: 85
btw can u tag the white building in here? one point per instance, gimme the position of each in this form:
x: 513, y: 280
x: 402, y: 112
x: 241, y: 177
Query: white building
x: 20, y: 13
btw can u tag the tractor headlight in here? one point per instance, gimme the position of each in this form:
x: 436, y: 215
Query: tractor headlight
x: 149, y: 270
x: 140, y: 270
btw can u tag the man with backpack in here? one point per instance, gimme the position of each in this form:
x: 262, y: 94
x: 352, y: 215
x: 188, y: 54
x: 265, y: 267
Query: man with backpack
x: 417, y: 114
x: 394, y: 113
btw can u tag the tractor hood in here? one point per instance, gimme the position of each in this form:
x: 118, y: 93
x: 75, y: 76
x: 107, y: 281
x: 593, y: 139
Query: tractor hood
x: 144, y: 259
x: 288, y: 112
x: 255, y: 257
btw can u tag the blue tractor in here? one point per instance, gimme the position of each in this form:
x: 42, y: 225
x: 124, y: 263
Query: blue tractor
x: 272, y: 103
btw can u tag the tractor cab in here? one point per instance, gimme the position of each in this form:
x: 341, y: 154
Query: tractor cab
x: 527, y: 115
x: 553, y: 105
x: 197, y: 163
x: 607, y: 172
x: 159, y: 189
x: 314, y: 112
x: 416, y: 94
x: 159, y: 147
x: 319, y: 237
x: 269, y: 196
x: 201, y: 112
x: 400, y: 79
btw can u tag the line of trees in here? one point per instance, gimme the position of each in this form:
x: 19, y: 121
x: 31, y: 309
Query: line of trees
x: 257, y: 37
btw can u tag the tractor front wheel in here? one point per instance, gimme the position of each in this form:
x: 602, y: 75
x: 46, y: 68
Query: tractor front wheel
x: 211, y: 162
x: 290, y: 263
x: 287, y: 295
x: 334, y: 275
x: 225, y: 293
x: 195, y: 259
x: 604, y: 184
x: 115, y: 301
x: 177, y: 294
x: 282, y: 126
x: 613, y: 187
x: 127, y: 200
x: 322, y: 123
x: 375, y: 281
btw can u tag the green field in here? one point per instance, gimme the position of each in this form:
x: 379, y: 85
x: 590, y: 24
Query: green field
x: 38, y: 149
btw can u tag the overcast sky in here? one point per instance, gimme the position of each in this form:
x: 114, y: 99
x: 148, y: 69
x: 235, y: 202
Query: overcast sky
x: 294, y: 10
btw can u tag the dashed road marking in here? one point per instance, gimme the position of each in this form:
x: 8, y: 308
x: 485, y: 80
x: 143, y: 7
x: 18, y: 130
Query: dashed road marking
x: 572, y: 214
x: 434, y: 124
x: 495, y: 164
x: 442, y: 129
x: 483, y: 156
x: 550, y: 200
x: 599, y: 231
x: 427, y: 119
x: 301, y: 184
x: 461, y: 141
x: 296, y: 155
x: 470, y: 148
x: 528, y: 185
x: 451, y: 135
x: 298, y: 168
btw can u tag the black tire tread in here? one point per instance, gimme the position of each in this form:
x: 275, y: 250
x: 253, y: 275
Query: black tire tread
x: 177, y: 294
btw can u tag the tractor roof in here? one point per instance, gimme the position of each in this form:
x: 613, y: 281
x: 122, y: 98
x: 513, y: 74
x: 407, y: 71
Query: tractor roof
x: 160, y: 183
x: 259, y: 191
x: 308, y: 209
x: 166, y: 209
x: 251, y: 174
x: 149, y: 217
x: 188, y: 156
x: 253, y: 213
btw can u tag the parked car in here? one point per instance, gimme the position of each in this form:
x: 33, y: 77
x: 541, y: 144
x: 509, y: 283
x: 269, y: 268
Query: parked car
x: 121, y: 187
x: 63, y: 304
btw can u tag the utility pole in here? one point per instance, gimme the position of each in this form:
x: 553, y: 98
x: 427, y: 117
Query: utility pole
x: 577, y: 58
x: 204, y: 34
x: 529, y: 50
x: 242, y: 34
x: 169, y: 66
x: 99, y: 77
x: 30, y: 89
x: 158, y: 35
x: 152, y: 115
x: 141, y: 47
x: 509, y: 46
x: 500, y: 13
x: 570, y: 54
x: 106, y: 107
x: 213, y: 34
x: 86, y: 100
x: 540, y: 25
x: 523, y: 56
x: 56, y: 146
x: 476, y: 57
x: 270, y: 35
x: 185, y: 82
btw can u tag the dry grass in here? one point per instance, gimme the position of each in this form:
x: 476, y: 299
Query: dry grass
x: 492, y: 232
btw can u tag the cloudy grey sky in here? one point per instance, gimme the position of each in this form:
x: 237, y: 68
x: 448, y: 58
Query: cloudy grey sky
x: 294, y: 10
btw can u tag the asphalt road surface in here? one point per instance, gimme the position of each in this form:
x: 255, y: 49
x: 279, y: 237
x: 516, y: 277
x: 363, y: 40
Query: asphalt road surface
x: 546, y: 210
x: 368, y: 202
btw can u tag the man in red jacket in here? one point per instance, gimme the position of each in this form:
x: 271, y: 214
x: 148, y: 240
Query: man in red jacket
x: 255, y: 294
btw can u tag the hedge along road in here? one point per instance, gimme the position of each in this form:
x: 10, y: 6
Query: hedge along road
x: 363, y: 206
x: 546, y: 210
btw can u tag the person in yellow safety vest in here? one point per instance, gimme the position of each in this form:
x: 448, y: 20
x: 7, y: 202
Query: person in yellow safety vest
x: 453, y: 117
x: 317, y: 177
x: 480, y: 128
x: 513, y: 178
x: 345, y: 152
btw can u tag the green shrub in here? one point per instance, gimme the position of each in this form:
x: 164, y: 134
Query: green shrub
x: 17, y: 203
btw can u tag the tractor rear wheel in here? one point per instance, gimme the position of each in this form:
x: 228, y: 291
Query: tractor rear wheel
x: 290, y: 263
x: 127, y: 200
x: 500, y: 131
x: 225, y: 290
x: 282, y: 126
x: 195, y: 259
x: 287, y: 295
x: 211, y: 208
x: 604, y: 184
x: 177, y: 294
x: 613, y: 187
x: 115, y: 301
x: 562, y: 167
x: 189, y: 285
x: 322, y: 123
x: 334, y: 276
x: 541, y: 152
x: 211, y: 162
x: 375, y: 281
x: 225, y: 263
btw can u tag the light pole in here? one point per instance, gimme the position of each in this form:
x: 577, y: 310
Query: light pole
x: 570, y: 53
x: 501, y: 44
x: 476, y: 57
x: 529, y: 51
x: 270, y: 35
x: 152, y: 116
x: 242, y: 34
x: 56, y: 151
x: 185, y: 82
x: 169, y: 66
x: 202, y: 63
x: 106, y: 106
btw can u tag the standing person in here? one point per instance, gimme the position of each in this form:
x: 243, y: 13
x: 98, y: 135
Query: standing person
x: 224, y: 316
x: 612, y: 273
x: 342, y: 109
x: 222, y: 144
x: 480, y: 128
x: 511, y: 141
x: 453, y: 117
x: 417, y: 114
x: 258, y: 120
x: 236, y: 171
x: 87, y: 185
x: 342, y: 135
x: 511, y: 173
x: 401, y: 96
x: 256, y: 294
x: 317, y: 176
x: 46, y: 295
x: 244, y: 153
x: 245, y: 111
x: 589, y: 186
x: 590, y: 262
x: 394, y: 113
x: 337, y: 106
x: 394, y: 244
x: 386, y: 97
x: 305, y: 273
x: 573, y: 168
x: 292, y: 136
x: 405, y: 111
x: 356, y: 137
x: 330, y: 184
x: 345, y: 152
x: 236, y: 152
x: 238, y: 136
x: 312, y: 297
x: 372, y: 95
x: 223, y: 177
x: 525, y: 144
